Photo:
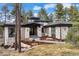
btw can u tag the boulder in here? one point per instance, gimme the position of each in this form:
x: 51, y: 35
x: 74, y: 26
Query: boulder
x: 25, y: 45
x: 34, y: 44
x: 50, y: 39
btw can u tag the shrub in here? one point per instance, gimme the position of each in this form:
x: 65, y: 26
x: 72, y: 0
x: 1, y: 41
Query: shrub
x: 69, y: 36
x: 73, y: 35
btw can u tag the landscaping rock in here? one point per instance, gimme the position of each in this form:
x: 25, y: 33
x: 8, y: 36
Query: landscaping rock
x: 34, y: 44
x: 25, y: 45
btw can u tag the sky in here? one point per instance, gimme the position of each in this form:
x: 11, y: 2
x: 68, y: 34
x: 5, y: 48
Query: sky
x: 35, y: 7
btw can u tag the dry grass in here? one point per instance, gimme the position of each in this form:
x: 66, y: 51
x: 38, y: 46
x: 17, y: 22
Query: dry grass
x: 55, y: 49
x: 45, y: 50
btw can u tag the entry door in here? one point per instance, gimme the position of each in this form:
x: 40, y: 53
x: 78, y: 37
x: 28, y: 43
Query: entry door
x: 33, y: 31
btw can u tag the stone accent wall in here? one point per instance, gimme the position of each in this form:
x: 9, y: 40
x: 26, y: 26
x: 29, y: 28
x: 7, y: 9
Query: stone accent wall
x: 49, y: 31
x: 1, y: 40
x: 6, y: 35
x: 22, y: 33
x: 64, y: 31
x: 27, y: 32
x: 39, y: 31
x: 11, y: 40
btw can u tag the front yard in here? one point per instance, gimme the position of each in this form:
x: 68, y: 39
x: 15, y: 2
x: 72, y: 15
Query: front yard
x: 44, y: 50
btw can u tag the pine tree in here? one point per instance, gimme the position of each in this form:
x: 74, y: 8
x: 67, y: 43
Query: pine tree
x: 43, y: 15
x: 73, y: 13
x: 5, y: 11
x: 59, y: 11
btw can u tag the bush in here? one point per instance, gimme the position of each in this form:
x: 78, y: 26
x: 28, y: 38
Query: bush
x: 69, y: 37
x: 73, y: 36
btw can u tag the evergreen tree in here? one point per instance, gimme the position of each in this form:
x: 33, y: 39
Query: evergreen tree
x: 59, y: 11
x: 29, y: 13
x: 43, y: 15
x: 73, y: 13
x: 5, y: 11
x: 23, y: 13
x: 51, y: 17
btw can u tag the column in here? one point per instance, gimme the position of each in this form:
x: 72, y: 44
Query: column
x: 6, y: 35
x: 27, y: 32
x: 46, y: 31
x: 39, y: 31
x: 22, y: 33
x: 57, y: 32
x: 49, y: 32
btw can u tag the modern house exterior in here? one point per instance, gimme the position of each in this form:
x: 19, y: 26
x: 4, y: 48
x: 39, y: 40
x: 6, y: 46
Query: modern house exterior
x: 36, y: 28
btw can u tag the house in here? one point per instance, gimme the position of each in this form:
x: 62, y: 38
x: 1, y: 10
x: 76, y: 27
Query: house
x: 36, y: 28
x: 59, y: 29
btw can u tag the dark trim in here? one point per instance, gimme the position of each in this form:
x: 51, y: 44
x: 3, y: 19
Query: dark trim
x: 34, y: 18
x: 22, y: 25
x: 59, y: 25
x: 43, y: 21
x: 32, y: 24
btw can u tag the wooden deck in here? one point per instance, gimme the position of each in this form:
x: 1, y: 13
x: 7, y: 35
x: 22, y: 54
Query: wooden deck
x: 49, y: 42
x: 42, y: 41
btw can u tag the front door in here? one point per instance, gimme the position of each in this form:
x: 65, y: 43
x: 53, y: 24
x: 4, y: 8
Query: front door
x: 33, y: 31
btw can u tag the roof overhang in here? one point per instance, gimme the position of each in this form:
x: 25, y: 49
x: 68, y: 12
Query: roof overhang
x: 22, y: 25
x: 59, y: 25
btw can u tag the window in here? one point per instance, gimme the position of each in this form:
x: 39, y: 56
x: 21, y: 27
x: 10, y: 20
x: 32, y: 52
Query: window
x: 11, y: 32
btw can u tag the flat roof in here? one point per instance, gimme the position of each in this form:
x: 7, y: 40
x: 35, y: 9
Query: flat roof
x: 68, y: 24
x: 22, y: 25
x: 34, y: 18
x: 32, y: 24
x: 59, y: 24
x: 37, y: 19
x: 43, y: 21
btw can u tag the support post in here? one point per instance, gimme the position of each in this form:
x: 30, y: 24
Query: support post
x: 27, y: 31
x: 6, y: 35
x: 39, y: 31
x: 49, y: 32
x: 60, y: 34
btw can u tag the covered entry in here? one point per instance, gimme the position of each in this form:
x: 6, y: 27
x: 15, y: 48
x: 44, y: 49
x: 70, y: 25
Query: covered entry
x: 35, y: 29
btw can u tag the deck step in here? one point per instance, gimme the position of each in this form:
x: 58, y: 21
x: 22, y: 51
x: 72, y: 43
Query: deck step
x: 51, y: 42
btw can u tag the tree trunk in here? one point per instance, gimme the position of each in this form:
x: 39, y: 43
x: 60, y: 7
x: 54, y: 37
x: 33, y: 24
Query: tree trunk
x: 18, y: 28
